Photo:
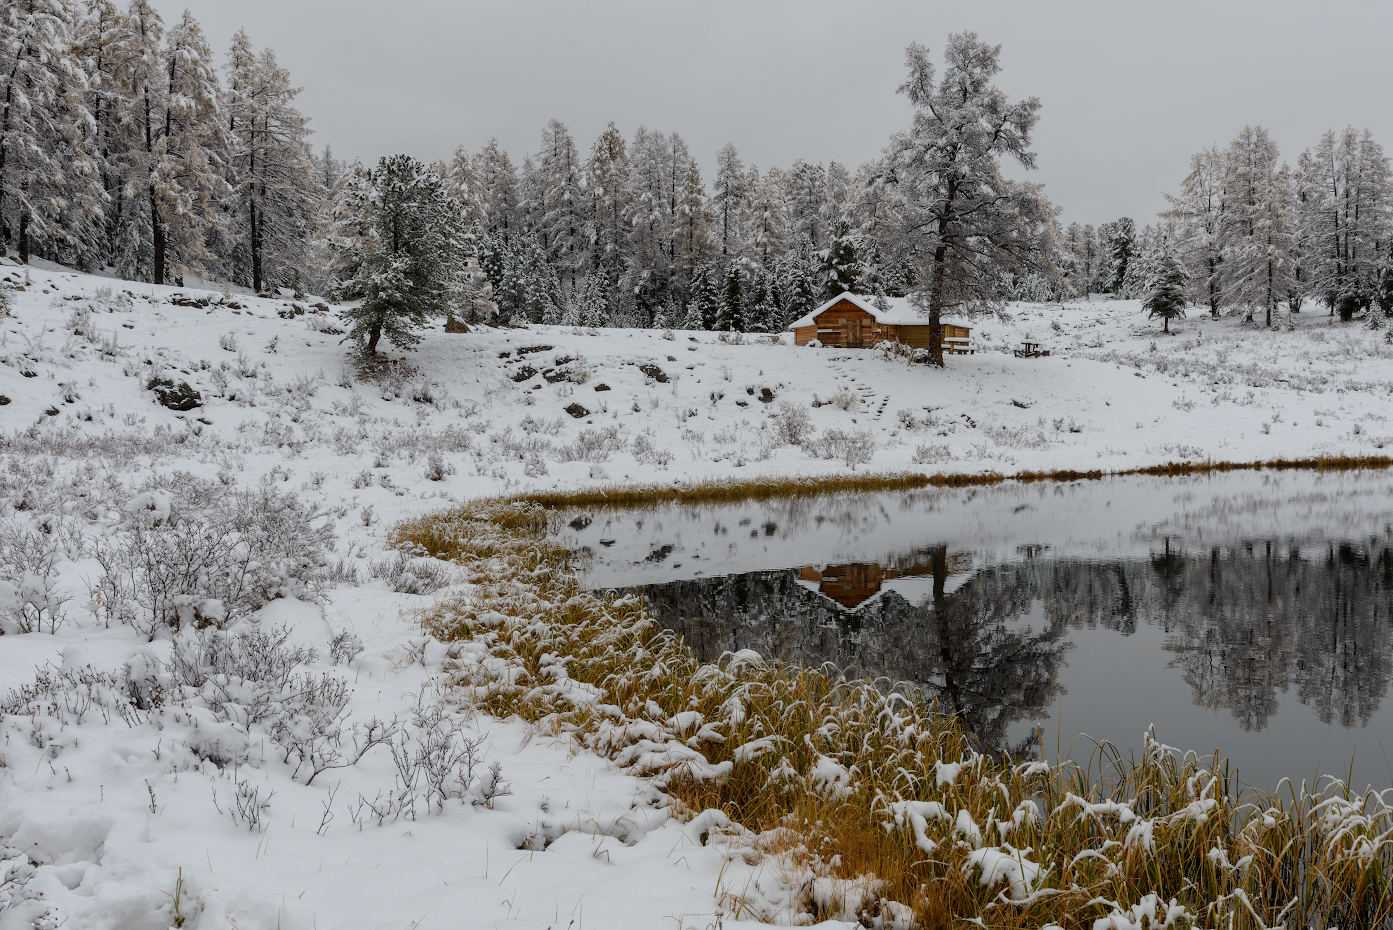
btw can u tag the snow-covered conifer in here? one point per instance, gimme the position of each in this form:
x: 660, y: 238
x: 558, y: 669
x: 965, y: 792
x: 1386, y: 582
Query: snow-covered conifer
x: 1165, y: 289
x: 403, y: 252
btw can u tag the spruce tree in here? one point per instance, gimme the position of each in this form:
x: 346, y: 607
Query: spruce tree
x: 403, y: 251
x: 841, y: 265
x: 1165, y: 291
x: 731, y: 312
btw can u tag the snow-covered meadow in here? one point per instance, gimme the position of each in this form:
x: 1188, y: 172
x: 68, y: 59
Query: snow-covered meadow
x: 209, y: 777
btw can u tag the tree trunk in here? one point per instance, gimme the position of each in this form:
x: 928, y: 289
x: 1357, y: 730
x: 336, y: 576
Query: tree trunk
x: 24, y: 237
x: 1165, y: 323
x: 936, y: 308
x: 374, y: 334
x: 157, y: 235
x: 256, y: 251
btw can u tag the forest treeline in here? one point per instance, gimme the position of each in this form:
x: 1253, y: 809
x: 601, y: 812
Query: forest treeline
x: 123, y: 147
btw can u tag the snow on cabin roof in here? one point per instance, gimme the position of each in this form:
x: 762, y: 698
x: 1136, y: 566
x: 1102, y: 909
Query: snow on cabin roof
x: 901, y: 312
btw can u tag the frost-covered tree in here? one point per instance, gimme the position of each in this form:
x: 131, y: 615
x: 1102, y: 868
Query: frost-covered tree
x: 47, y: 162
x: 962, y: 224
x: 841, y: 266
x: 729, y: 201
x: 563, y: 221
x: 1165, y: 289
x: 172, y: 166
x: 797, y: 272
x: 607, y: 188
x: 807, y: 201
x: 272, y: 166
x: 403, y: 251
x: 1347, y: 218
x: 1256, y: 234
x: 498, y: 183
x: 768, y: 215
x: 1119, y: 241
x: 704, y: 301
x: 1198, y: 210
x: 691, y: 222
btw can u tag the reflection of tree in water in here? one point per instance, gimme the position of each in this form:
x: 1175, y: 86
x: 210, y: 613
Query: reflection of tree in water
x: 1244, y: 624
x: 963, y: 645
x: 1248, y: 623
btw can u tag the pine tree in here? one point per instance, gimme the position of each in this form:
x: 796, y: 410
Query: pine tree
x: 593, y: 310
x: 964, y: 225
x: 691, y: 221
x: 273, y: 177
x: 797, y: 272
x: 403, y: 252
x: 768, y: 215
x: 1347, y: 218
x: 1165, y: 290
x: 176, y: 142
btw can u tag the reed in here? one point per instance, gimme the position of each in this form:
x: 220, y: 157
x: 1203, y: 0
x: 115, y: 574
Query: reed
x: 876, y: 804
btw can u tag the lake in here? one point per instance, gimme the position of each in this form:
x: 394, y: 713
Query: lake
x: 1249, y: 613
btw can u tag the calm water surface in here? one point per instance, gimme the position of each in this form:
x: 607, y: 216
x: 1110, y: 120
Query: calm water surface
x: 1249, y: 613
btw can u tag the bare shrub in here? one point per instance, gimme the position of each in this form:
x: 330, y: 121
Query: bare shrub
x: 931, y: 453
x: 407, y: 575
x: 854, y: 447
x: 211, y: 555
x: 844, y: 399
x: 792, y: 424
x: 592, y: 445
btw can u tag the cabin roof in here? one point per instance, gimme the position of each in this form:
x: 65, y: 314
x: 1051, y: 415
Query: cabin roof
x: 901, y: 312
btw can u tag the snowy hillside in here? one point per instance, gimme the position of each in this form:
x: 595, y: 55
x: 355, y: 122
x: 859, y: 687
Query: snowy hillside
x: 146, y: 780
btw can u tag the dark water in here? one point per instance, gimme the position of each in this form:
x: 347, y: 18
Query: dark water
x: 1249, y: 613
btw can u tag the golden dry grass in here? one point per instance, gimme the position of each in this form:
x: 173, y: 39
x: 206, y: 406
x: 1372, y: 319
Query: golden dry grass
x: 1106, y: 834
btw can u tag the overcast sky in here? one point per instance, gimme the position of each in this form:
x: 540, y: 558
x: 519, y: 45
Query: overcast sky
x: 1130, y: 90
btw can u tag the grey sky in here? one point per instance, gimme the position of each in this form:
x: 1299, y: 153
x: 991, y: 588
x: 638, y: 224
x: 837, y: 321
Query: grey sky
x: 1130, y: 90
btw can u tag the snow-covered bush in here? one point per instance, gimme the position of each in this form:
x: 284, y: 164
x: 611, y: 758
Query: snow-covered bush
x: 931, y: 453
x: 198, y: 552
x: 854, y: 447
x: 844, y: 399
x: 30, y: 551
x: 591, y: 445
x: 792, y: 424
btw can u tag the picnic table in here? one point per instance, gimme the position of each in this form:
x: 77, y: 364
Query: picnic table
x: 1031, y: 350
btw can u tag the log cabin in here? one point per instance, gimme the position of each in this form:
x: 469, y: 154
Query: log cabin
x: 853, y: 321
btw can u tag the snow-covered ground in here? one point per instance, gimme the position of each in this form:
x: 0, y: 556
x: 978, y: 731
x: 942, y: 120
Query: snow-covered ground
x: 134, y: 768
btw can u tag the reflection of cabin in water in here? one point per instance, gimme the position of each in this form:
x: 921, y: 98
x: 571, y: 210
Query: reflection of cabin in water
x: 854, y: 321
x: 854, y: 583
